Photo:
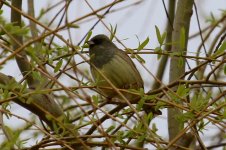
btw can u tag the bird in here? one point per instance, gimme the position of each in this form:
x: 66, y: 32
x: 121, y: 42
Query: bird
x: 109, y: 63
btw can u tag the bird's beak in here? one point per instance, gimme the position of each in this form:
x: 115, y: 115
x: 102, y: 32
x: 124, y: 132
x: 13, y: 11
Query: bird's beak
x: 90, y: 43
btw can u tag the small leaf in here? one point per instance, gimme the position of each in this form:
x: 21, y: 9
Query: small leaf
x: 50, y: 61
x: 58, y: 65
x: 73, y: 25
x: 221, y: 49
x: 95, y: 99
x: 224, y: 112
x: 129, y: 134
x: 159, y: 50
x: 143, y: 44
x: 120, y: 137
x: 160, y: 37
x: 150, y: 116
x: 24, y: 86
x: 113, y: 32
x: 183, y: 91
x: 110, y: 129
x: 201, y: 125
x: 88, y: 36
x: 121, y: 116
x: 140, y: 104
x: 199, y: 101
x: 211, y: 19
x: 149, y: 97
x: 154, y: 128
x: 140, y: 59
x: 158, y: 34
x: 224, y: 69
x: 131, y: 51
x: 5, y: 94
x: 16, y: 30
x: 163, y: 37
x: 185, y: 117
x: 141, y: 138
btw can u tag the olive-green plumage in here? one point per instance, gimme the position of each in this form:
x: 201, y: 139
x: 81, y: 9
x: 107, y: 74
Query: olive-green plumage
x: 115, y: 65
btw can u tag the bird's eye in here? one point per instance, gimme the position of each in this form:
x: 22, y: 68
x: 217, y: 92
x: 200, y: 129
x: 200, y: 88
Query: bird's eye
x: 97, y: 41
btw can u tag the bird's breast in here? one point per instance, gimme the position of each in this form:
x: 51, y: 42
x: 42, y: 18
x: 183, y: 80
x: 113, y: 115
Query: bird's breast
x: 119, y: 73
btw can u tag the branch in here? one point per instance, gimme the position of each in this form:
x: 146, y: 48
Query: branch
x: 182, y: 21
x: 21, y: 59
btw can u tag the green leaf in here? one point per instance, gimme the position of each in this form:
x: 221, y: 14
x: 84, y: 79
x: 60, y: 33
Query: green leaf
x: 24, y: 86
x: 14, y: 136
x: 174, y: 97
x: 160, y: 105
x: 140, y: 104
x: 224, y: 69
x: 199, y: 101
x: 110, y: 129
x: 149, y: 97
x: 50, y: 61
x: 41, y: 13
x: 140, y: 59
x: 139, y: 127
x: 73, y: 25
x: 141, y: 138
x: 150, y: 117
x: 131, y: 51
x: 6, y: 94
x: 120, y: 137
x: 163, y: 37
x: 138, y: 91
x: 182, y: 118
x: 88, y: 36
x: 85, y: 45
x: 121, y: 116
x: 129, y: 134
x: 182, y: 38
x: 221, y: 49
x: 202, y: 124
x: 158, y: 33
x: 154, y: 128
x: 113, y: 32
x: 159, y: 50
x: 224, y: 113
x: 95, y: 99
x: 58, y: 65
x: 160, y: 37
x: 143, y: 44
x: 16, y: 30
x: 211, y: 19
x: 182, y: 91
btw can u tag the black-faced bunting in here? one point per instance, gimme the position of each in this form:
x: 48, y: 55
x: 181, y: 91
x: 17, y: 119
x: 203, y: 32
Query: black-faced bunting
x: 114, y: 64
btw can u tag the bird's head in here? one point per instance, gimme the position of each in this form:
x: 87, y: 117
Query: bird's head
x: 100, y: 40
x: 101, y: 49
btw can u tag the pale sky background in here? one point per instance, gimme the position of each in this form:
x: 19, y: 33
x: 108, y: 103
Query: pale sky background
x: 140, y: 21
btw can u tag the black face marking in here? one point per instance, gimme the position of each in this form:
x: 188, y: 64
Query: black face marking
x: 101, y: 50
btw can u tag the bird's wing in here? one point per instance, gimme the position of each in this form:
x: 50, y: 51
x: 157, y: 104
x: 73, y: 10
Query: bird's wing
x: 127, y: 59
x: 122, y: 72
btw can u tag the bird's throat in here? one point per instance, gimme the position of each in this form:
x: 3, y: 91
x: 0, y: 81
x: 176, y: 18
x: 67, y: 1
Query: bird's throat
x: 101, y: 57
